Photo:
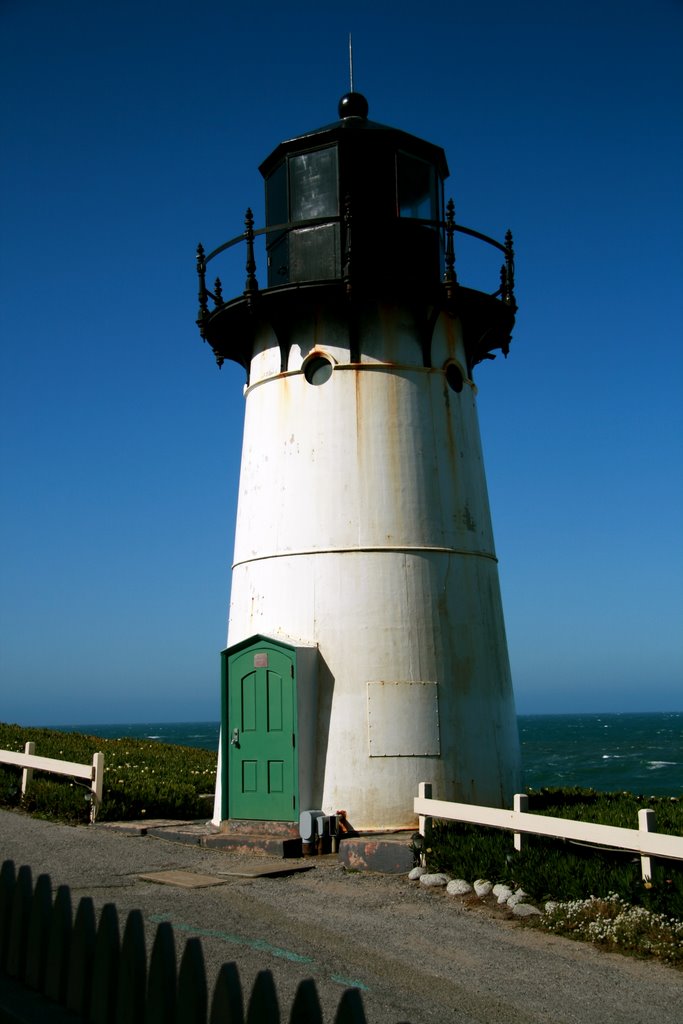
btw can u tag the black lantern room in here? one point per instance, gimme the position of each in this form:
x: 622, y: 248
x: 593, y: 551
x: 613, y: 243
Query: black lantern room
x: 354, y: 215
x: 381, y: 184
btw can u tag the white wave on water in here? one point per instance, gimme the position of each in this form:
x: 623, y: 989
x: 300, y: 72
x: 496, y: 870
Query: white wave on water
x: 659, y: 764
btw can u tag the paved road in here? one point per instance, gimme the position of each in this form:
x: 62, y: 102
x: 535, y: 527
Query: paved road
x: 418, y: 955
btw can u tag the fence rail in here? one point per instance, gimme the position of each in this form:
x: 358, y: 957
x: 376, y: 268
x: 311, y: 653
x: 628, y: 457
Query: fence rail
x: 30, y: 762
x: 644, y: 840
x: 55, y: 968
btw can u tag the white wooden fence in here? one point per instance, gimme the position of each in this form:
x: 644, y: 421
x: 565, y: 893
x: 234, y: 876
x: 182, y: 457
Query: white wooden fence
x: 644, y: 840
x: 30, y: 762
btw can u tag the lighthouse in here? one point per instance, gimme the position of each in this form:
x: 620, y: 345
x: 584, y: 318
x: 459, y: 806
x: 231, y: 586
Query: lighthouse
x: 366, y: 646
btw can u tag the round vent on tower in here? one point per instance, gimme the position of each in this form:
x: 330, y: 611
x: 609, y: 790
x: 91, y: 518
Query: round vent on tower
x: 317, y: 369
x: 454, y: 377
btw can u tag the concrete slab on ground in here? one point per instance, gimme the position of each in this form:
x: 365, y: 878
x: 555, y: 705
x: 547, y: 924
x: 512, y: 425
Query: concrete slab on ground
x: 153, y: 826
x: 182, y: 879
x: 265, y: 869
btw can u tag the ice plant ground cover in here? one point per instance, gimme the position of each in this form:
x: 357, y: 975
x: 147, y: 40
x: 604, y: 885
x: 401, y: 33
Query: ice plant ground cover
x: 616, y: 925
x: 142, y: 778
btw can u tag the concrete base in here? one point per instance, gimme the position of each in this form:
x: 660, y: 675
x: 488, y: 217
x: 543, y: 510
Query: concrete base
x: 240, y: 835
x: 272, y: 845
x: 247, y: 826
x: 390, y: 853
x: 387, y: 852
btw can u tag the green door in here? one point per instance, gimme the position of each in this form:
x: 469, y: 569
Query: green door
x: 262, y: 775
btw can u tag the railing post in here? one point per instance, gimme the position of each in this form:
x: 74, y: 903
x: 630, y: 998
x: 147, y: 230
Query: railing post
x: 96, y: 785
x: 647, y: 822
x: 251, y: 285
x: 449, y: 276
x: 203, y: 303
x: 27, y: 773
x: 520, y: 806
x: 508, y: 279
x: 424, y: 791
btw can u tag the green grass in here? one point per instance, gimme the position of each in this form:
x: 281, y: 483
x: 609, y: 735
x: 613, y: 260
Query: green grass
x: 142, y: 778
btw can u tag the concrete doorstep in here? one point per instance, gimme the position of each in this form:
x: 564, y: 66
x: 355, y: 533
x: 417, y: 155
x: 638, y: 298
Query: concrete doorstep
x: 388, y: 853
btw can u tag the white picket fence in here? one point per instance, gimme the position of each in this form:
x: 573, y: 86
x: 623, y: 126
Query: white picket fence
x: 644, y: 840
x: 30, y: 762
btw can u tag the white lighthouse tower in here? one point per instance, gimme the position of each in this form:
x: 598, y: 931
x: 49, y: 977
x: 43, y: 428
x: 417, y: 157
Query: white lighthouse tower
x: 366, y: 647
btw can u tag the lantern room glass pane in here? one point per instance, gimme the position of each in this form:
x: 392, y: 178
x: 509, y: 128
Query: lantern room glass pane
x: 276, y: 196
x: 314, y: 184
x: 416, y: 186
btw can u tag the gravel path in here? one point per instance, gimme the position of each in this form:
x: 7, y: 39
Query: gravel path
x: 418, y: 955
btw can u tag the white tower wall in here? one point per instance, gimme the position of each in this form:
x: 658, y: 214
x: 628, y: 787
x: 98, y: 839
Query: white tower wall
x: 363, y: 527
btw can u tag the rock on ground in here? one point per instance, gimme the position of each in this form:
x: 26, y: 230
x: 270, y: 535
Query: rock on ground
x: 435, y: 879
x: 525, y: 910
x: 458, y: 887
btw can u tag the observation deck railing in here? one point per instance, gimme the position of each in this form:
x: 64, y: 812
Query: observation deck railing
x: 505, y: 291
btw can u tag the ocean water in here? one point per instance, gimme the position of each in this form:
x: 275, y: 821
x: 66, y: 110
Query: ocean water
x: 638, y: 753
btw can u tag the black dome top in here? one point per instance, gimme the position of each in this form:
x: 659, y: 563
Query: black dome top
x: 353, y: 104
x: 359, y: 136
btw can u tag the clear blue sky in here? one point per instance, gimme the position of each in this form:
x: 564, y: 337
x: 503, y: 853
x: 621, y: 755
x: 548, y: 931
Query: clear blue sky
x: 133, y: 130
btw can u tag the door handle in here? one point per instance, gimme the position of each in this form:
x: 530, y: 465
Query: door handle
x: 235, y: 740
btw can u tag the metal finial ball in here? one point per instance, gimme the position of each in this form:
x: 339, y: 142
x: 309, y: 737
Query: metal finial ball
x: 353, y: 104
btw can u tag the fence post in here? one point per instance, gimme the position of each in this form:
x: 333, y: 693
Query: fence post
x: 27, y: 773
x: 520, y: 806
x: 647, y: 822
x: 193, y: 997
x: 132, y: 983
x: 263, y: 1005
x: 162, y: 978
x: 79, y: 976
x: 39, y: 934
x: 227, y: 1002
x: 105, y: 970
x: 306, y: 1006
x: 424, y: 791
x: 350, y: 1009
x: 59, y: 947
x: 96, y: 785
x: 19, y: 923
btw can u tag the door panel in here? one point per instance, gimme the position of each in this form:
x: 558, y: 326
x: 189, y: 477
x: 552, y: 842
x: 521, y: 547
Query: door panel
x: 262, y: 761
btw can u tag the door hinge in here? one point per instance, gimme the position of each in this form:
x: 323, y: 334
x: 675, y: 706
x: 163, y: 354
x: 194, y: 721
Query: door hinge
x: 293, y: 803
x: 293, y: 740
x: 291, y: 670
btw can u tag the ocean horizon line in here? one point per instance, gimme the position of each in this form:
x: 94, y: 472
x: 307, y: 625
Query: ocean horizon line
x: 608, y: 751
x: 110, y: 724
